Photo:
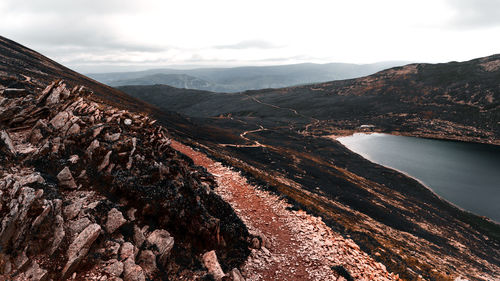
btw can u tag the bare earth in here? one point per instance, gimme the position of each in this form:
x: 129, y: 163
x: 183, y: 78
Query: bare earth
x: 296, y: 246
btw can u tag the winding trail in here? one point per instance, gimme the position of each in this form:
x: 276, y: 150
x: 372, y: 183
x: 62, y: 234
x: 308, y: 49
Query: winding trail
x: 295, y: 246
x: 314, y: 120
x: 243, y: 136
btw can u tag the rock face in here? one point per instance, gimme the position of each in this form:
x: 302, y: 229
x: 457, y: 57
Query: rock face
x: 93, y: 192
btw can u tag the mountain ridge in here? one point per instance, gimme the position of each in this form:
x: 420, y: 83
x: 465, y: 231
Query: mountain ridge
x: 455, y: 101
x: 235, y: 79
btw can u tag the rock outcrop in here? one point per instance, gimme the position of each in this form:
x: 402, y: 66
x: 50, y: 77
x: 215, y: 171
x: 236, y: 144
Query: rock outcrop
x: 88, y: 191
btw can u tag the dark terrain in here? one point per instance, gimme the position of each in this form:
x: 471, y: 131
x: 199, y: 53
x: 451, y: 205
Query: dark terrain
x: 276, y: 137
x: 457, y: 101
x: 243, y: 78
x: 271, y: 140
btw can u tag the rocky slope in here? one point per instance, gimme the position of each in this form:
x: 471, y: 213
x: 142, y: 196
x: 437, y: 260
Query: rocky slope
x: 89, y: 191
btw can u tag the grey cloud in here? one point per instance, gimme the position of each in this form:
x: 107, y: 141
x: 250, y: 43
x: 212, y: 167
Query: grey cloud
x: 475, y: 13
x: 248, y: 44
x: 65, y: 35
x: 71, y: 7
x: 65, y: 26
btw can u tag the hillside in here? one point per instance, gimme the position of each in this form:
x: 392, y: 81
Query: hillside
x: 237, y: 79
x: 275, y: 137
x: 96, y: 184
x: 452, y: 101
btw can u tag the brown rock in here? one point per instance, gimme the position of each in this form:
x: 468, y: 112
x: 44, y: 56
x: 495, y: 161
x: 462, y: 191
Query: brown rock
x: 66, y: 178
x: 78, y: 226
x: 72, y: 210
x: 112, y: 137
x: 115, y: 220
x: 147, y: 260
x: 34, y: 273
x: 212, y: 264
x: 127, y: 251
x: 80, y: 247
x: 235, y: 275
x: 114, y: 268
x: 7, y: 143
x: 163, y: 242
x: 255, y: 243
x: 104, y: 162
x: 93, y: 145
x: 59, y: 234
x: 138, y: 236
x: 132, y: 271
x: 74, y: 129
x: 60, y: 120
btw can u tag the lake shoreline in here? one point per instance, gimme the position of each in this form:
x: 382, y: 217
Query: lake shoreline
x: 459, y: 139
x: 428, y: 187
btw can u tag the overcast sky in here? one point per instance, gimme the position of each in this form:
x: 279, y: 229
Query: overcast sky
x: 104, y: 35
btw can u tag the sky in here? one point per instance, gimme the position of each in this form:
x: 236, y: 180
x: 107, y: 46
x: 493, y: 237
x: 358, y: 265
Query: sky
x: 121, y: 35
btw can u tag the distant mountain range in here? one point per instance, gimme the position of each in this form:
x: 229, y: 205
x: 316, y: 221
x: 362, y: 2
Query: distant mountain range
x: 243, y: 78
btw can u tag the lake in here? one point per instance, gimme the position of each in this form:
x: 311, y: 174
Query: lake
x: 465, y: 174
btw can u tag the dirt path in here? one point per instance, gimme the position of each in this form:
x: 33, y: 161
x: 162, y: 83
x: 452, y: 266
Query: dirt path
x: 243, y: 136
x: 296, y: 246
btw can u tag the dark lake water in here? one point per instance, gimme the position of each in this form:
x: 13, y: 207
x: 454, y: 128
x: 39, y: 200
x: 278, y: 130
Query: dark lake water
x: 465, y: 174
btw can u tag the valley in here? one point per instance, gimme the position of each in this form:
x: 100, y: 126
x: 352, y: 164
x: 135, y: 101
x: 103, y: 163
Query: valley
x: 277, y: 138
x: 179, y: 157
